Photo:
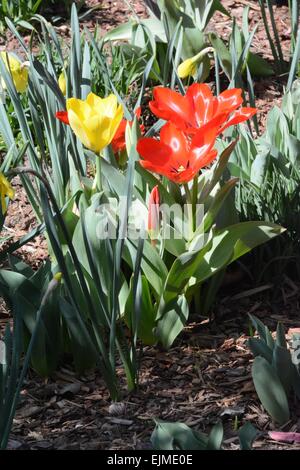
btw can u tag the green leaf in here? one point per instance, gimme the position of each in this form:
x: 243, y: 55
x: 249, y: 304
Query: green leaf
x: 217, y: 202
x: 216, y: 172
x: 259, y: 169
x: 152, y: 265
x: 215, y: 437
x: 223, y: 54
x: 258, y: 66
x: 146, y: 320
x: 172, y: 320
x: 260, y: 348
x: 174, y: 436
x: 83, y: 349
x: 247, y: 433
x: 280, y: 336
x: 20, y: 267
x: 270, y: 390
x: 226, y: 246
x: 259, y: 326
x: 120, y: 33
x: 283, y: 365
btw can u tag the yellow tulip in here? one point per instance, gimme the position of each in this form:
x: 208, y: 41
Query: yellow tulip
x: 19, y: 71
x: 95, y: 120
x: 62, y: 83
x: 5, y: 190
x: 189, y: 66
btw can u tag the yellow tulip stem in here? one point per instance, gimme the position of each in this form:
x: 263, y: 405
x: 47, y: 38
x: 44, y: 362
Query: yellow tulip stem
x: 98, y: 176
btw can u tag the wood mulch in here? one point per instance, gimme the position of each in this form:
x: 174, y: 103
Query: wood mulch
x: 206, y: 376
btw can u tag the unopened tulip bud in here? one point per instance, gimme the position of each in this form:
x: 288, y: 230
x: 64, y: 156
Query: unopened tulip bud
x: 18, y: 70
x: 62, y: 83
x: 189, y: 66
x: 5, y: 190
x: 153, y: 215
x: 55, y: 281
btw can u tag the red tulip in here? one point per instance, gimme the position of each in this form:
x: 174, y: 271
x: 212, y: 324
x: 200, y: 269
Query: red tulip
x: 118, y: 142
x: 199, y: 107
x: 177, y: 156
x: 62, y: 116
x: 153, y: 214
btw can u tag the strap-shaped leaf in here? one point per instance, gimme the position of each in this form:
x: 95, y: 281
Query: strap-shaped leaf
x: 270, y: 390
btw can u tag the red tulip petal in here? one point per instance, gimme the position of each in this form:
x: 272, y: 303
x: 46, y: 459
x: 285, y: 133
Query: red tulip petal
x: 118, y: 145
x: 177, y: 141
x: 138, y: 112
x: 118, y: 142
x: 184, y: 176
x: 202, y: 144
x: 171, y: 106
x: 205, y: 160
x: 208, y: 132
x: 62, y: 116
x: 229, y: 100
x: 238, y: 116
x: 160, y: 170
x: 154, y: 152
x: 202, y: 102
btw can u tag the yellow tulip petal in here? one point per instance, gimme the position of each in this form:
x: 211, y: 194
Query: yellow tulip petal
x: 79, y: 107
x: 110, y: 105
x: 94, y: 101
x: 78, y: 129
x: 95, y: 120
x: 116, y: 122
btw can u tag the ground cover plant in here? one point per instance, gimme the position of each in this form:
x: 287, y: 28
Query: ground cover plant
x: 148, y: 185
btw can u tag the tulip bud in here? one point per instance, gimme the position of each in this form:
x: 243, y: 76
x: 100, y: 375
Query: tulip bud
x: 5, y: 190
x: 18, y: 70
x: 62, y: 83
x: 189, y: 66
x: 153, y: 215
x: 55, y: 281
x: 58, y: 276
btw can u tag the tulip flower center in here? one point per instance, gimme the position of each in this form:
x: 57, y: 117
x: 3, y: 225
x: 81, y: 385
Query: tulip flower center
x: 181, y: 168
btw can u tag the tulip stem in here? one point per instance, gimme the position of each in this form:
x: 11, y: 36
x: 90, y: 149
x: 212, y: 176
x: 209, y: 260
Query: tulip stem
x: 194, y: 201
x: 189, y: 204
x: 98, y: 175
